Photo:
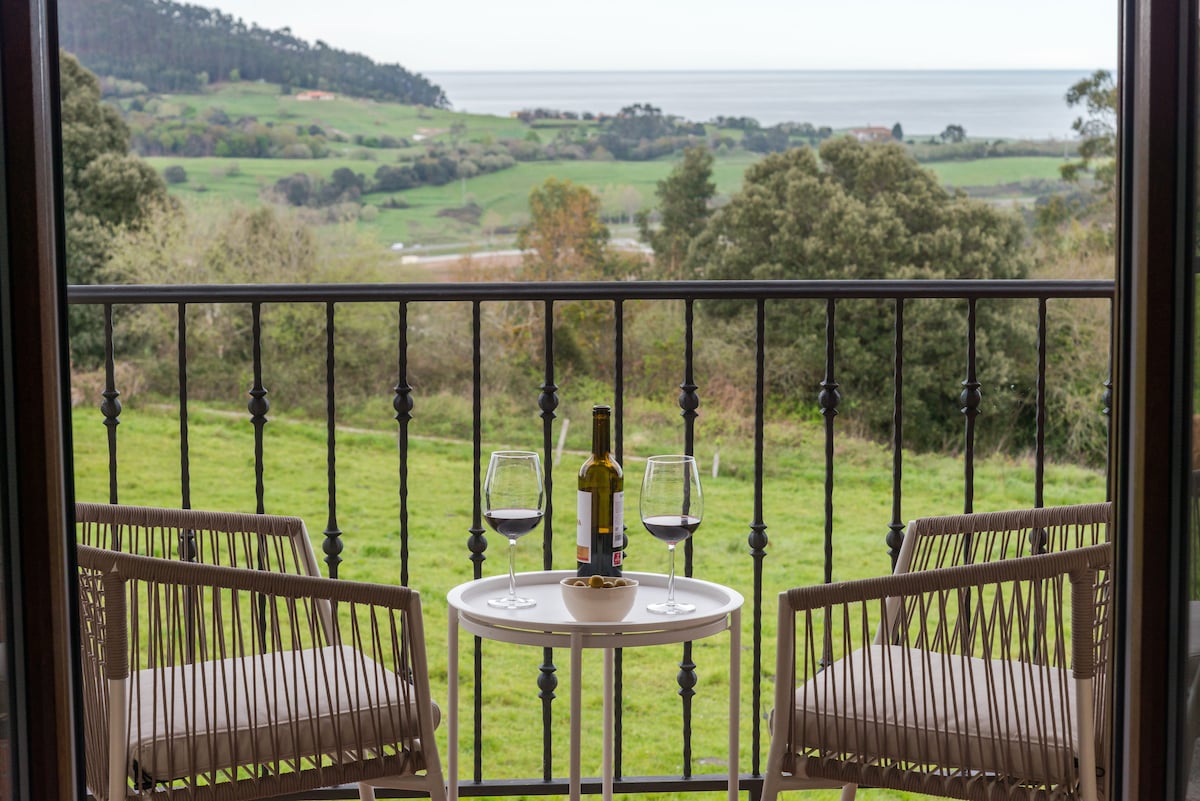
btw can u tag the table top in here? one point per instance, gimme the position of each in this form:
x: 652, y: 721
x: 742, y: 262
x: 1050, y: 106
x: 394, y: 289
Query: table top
x: 713, y: 603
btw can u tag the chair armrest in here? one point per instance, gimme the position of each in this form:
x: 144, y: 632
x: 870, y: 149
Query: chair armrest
x: 170, y: 571
x: 1095, y: 557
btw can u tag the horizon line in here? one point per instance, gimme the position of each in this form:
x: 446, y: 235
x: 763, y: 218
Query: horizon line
x: 766, y: 69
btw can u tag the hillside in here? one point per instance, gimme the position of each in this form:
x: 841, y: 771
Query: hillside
x: 236, y: 142
x: 172, y: 47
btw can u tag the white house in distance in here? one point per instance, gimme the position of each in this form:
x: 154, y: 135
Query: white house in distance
x: 872, y: 134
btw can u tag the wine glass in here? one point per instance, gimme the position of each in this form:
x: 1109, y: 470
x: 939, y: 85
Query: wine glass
x: 513, y: 507
x: 671, y: 507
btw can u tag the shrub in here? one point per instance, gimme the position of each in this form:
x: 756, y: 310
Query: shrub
x: 175, y: 174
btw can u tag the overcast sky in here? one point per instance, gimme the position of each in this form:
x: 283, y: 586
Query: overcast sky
x: 433, y: 35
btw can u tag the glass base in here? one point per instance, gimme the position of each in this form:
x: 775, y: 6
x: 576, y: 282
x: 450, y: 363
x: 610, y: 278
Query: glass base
x: 671, y: 608
x: 511, y: 602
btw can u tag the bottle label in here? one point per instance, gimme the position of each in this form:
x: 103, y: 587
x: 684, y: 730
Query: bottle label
x: 618, y: 517
x: 583, y: 526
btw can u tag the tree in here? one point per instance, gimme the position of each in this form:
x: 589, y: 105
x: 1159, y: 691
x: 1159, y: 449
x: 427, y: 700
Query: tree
x: 683, y: 198
x: 105, y: 190
x: 1097, y: 129
x: 564, y: 238
x: 242, y: 245
x: 172, y: 46
x: 953, y: 134
x: 873, y: 212
x: 897, y: 132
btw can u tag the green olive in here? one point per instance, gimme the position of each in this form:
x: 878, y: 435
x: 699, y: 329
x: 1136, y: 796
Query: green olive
x: 596, y: 581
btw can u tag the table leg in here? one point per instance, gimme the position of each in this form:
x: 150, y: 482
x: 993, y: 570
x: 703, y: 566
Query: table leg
x: 735, y: 691
x: 452, y: 710
x: 576, y: 712
x: 609, y: 692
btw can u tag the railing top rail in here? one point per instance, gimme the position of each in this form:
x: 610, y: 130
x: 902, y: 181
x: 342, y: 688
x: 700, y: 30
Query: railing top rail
x: 586, y: 290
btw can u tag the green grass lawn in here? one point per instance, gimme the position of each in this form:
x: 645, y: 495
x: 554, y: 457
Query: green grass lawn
x: 440, y: 492
x: 987, y: 172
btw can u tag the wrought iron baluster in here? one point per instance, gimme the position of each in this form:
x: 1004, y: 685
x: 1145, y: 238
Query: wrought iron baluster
x: 828, y: 401
x: 547, y: 681
x: 186, y: 543
x: 110, y: 406
x: 1039, y: 461
x: 333, y: 535
x: 969, y: 402
x: 689, y: 401
x: 185, y: 478
x: 895, y: 535
x: 619, y: 445
x: 402, y: 403
x: 258, y: 405
x: 1037, y: 535
x: 477, y: 542
x: 757, y: 539
x: 1106, y: 410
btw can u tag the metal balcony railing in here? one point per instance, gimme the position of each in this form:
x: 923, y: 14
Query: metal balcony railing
x: 756, y: 295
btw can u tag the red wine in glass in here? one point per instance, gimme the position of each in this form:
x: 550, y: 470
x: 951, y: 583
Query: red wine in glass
x: 513, y: 523
x: 671, y: 528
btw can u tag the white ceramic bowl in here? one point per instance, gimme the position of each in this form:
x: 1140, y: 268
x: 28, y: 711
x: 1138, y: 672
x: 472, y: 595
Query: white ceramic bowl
x: 598, y: 604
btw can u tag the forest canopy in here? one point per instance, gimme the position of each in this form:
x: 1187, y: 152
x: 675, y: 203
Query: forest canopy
x: 174, y: 47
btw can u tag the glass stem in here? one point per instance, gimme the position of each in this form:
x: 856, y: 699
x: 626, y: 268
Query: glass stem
x: 512, y: 576
x: 671, y: 575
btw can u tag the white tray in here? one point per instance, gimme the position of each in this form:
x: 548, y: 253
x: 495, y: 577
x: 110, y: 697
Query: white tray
x: 713, y: 602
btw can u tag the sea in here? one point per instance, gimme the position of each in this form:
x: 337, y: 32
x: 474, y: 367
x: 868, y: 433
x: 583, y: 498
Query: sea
x: 1003, y: 104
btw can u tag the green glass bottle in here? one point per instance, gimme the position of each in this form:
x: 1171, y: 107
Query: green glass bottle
x: 600, y: 522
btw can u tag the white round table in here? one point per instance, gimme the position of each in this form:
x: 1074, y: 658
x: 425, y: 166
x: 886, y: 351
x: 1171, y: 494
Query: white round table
x: 548, y: 624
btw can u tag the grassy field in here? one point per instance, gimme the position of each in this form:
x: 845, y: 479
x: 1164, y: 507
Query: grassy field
x: 985, y: 172
x: 623, y: 187
x: 348, y: 115
x: 441, y: 480
x: 214, y: 182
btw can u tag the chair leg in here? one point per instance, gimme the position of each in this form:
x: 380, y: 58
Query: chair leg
x: 365, y: 792
x: 770, y: 790
x: 848, y: 792
x: 437, y: 790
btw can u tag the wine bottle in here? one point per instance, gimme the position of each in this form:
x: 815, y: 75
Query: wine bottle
x: 600, y: 522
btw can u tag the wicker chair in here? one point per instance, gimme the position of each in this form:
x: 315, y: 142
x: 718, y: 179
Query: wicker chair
x: 246, y: 677
x: 977, y: 681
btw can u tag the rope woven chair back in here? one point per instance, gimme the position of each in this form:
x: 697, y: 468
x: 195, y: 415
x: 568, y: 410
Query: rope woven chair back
x: 271, y: 543
x: 262, y: 542
x: 951, y: 540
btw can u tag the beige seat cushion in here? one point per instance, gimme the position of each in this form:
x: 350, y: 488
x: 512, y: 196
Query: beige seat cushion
x: 941, y: 714
x: 191, y: 718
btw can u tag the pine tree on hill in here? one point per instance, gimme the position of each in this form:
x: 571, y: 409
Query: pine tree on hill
x: 173, y: 47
